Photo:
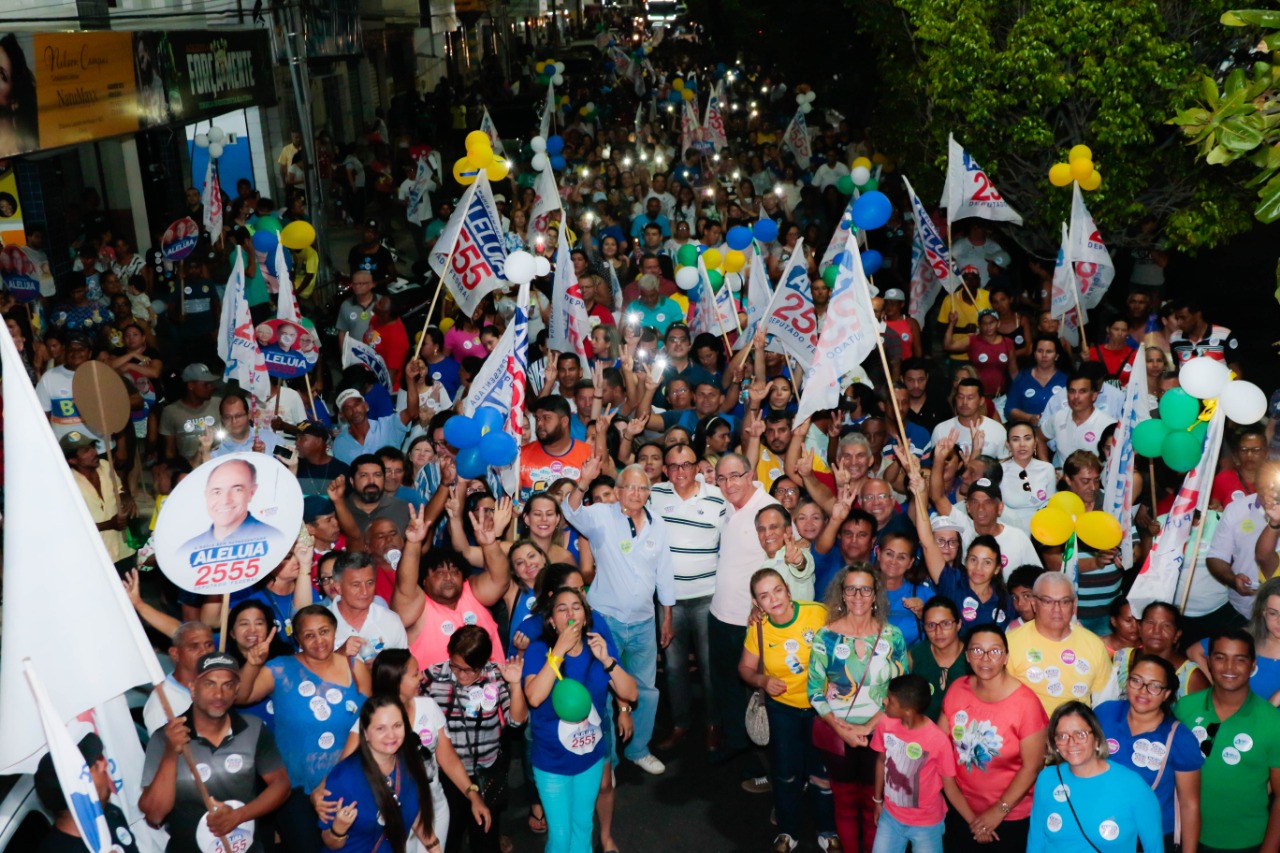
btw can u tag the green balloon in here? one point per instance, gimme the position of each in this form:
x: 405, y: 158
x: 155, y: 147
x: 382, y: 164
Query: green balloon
x: 871, y: 185
x: 1148, y: 437
x: 829, y: 275
x: 716, y: 278
x: 268, y: 223
x: 845, y: 185
x: 1182, y: 450
x: 571, y: 701
x: 688, y: 255
x: 1200, y: 431
x: 1178, y: 409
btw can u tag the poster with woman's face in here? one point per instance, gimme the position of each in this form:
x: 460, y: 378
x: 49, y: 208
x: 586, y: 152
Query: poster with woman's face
x: 289, y: 349
x: 19, y: 128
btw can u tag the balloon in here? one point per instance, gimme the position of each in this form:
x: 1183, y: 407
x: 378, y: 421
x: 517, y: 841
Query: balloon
x: 540, y: 162
x: 1051, y: 527
x: 265, y: 240
x: 1204, y: 378
x: 558, y: 79
x: 687, y: 256
x: 539, y: 66
x: 1181, y: 450
x: 462, y: 432
x: 1178, y: 409
x: 497, y: 169
x: 477, y: 141
x: 871, y: 261
x: 541, y: 266
x: 464, y: 172
x: 844, y: 184
x: 1068, y: 502
x: 202, y: 140
x: 1092, y: 182
x: 674, y: 97
x: 806, y: 108
x: 557, y: 162
x: 872, y: 210
x: 490, y: 419
x: 215, y: 150
x: 862, y: 162
x: 1200, y: 431
x: 734, y: 280
x: 1081, y: 169
x: 446, y: 324
x: 739, y: 238
x: 687, y: 278
x: 1243, y: 402
x: 538, y: 144
x: 677, y: 84
x: 555, y: 144
x: 1099, y: 530
x: 1060, y: 174
x: 520, y: 268
x: 829, y: 275
x: 871, y: 185
x: 716, y: 278
x: 470, y: 464
x: 571, y: 701
x: 269, y: 223
x: 712, y: 259
x: 734, y: 260
x: 766, y: 230
x: 217, y: 134
x: 298, y: 235
x: 687, y: 94
x: 1079, y: 152
x: 497, y: 448
x: 1148, y: 437
x: 859, y: 175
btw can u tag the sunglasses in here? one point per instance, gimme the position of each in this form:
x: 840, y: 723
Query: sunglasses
x: 1026, y: 483
x: 1206, y: 746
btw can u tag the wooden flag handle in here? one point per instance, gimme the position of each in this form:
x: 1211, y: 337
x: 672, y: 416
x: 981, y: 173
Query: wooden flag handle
x: 209, y: 802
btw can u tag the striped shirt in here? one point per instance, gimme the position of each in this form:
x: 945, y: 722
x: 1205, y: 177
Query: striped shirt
x: 693, y: 535
x: 475, y: 715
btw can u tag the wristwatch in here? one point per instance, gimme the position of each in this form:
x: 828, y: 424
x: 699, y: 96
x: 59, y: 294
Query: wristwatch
x: 1005, y: 807
x: 611, y: 667
x: 473, y: 787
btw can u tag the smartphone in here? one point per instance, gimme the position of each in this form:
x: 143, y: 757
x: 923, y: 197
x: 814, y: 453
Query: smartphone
x: 284, y: 453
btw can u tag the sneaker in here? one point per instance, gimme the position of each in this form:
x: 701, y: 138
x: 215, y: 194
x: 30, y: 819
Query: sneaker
x: 651, y: 765
x: 829, y: 843
x: 783, y: 844
x: 757, y: 785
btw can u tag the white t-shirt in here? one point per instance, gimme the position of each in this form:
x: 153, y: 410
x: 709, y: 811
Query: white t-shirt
x: 153, y: 716
x: 382, y: 629
x: 1015, y: 546
x: 54, y: 393
x: 964, y: 254
x: 1024, y: 495
x: 1207, y: 592
x: 1233, y: 542
x: 994, y: 436
x: 1065, y: 436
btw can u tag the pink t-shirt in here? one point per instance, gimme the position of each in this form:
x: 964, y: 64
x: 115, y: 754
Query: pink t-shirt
x: 988, y: 742
x: 432, y: 645
x: 460, y: 344
x: 915, y: 763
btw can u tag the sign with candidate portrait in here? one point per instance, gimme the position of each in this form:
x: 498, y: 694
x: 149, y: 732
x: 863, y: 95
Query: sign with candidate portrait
x: 228, y: 524
x: 289, y: 349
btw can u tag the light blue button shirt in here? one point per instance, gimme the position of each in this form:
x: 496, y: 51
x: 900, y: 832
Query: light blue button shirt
x: 630, y: 565
x: 388, y: 431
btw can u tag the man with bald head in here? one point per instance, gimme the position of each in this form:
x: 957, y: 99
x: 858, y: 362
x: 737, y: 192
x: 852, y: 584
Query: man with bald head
x: 876, y: 497
x: 235, y: 533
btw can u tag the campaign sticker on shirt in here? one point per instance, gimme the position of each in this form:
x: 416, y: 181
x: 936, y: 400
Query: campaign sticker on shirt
x: 1041, y: 494
x: 982, y: 357
x: 1247, y: 526
x: 1004, y: 357
x: 1109, y: 829
x: 320, y: 708
x: 1090, y: 436
x: 1079, y: 689
x: 1068, y: 656
x: 1113, y: 745
x: 882, y: 647
x: 581, y: 738
x: 662, y: 318
x: 427, y: 736
x: 1035, y: 675
x: 240, y: 838
x: 914, y: 751
x: 957, y: 732
x: 961, y: 717
x: 842, y: 651
x: 625, y: 546
x: 352, y: 707
x: 1061, y: 792
x: 326, y: 741
x: 1200, y: 732
x: 124, y: 836
x: 1054, y: 822
x: 468, y: 618
x: 1054, y: 688
x: 1034, y: 655
x: 1029, y: 393
x: 1052, y: 673
x: 334, y: 695
x: 1231, y: 755
x: 205, y: 771
x: 792, y: 646
x: 234, y: 763
x: 1243, y: 742
x: 970, y: 608
x: 1082, y: 666
x: 306, y: 689
x: 447, y: 627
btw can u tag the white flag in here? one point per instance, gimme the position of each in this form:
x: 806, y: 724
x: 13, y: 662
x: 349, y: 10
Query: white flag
x: 474, y: 246
x: 849, y: 335
x: 615, y: 291
x: 491, y: 131
x: 237, y: 343
x: 356, y: 352
x: 715, y: 312
x: 930, y: 261
x: 713, y: 120
x: 569, y: 326
x: 969, y: 192
x: 548, y: 109
x: 545, y: 209
x: 1118, y: 497
x: 1062, y: 301
x: 796, y: 139
x: 759, y: 297
x: 500, y: 383
x: 1087, y: 253
x: 836, y: 243
x: 689, y: 127
x: 418, y: 209
x: 211, y: 200
x: 286, y: 302
x: 792, y: 321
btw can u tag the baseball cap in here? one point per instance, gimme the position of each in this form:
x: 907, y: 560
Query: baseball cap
x: 198, y: 373
x: 1001, y: 259
x: 314, y: 506
x: 315, y: 429
x: 986, y: 487
x: 988, y: 312
x: 942, y: 523
x: 895, y: 294
x: 46, y: 778
x: 79, y: 339
x: 349, y: 394
x: 216, y: 660
x: 499, y: 197
x: 73, y: 441
x: 969, y: 269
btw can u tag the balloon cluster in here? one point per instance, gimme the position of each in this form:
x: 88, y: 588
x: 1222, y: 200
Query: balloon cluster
x: 1064, y: 515
x: 213, y: 139
x: 588, y: 111
x: 479, y: 156
x: 1178, y: 435
x: 805, y: 96
x: 859, y: 177
x: 549, y: 71
x: 522, y: 267
x: 548, y: 153
x: 722, y: 267
x: 480, y: 441
x: 682, y: 90
x: 1079, y: 167
x: 871, y: 211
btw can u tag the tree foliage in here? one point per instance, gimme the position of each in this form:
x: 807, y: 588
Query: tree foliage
x: 1019, y: 83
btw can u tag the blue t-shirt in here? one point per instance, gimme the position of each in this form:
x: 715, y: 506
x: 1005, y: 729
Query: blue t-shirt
x: 1144, y: 754
x: 446, y: 373
x: 954, y: 584
x: 1028, y: 395
x: 314, y: 717
x: 900, y: 616
x: 348, y: 783
x: 279, y: 606
x: 1116, y: 808
x: 1265, y: 680
x: 379, y: 401
x: 825, y: 567
x: 563, y: 748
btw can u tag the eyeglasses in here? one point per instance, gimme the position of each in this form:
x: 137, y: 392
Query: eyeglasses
x: 1154, y: 688
x: 1271, y: 613
x: 983, y: 654
x: 791, y: 493
x: 860, y: 591
x: 944, y: 625
x: 1026, y: 482
x: 1211, y: 731
x: 944, y: 542
x: 1077, y: 736
x: 326, y: 579
x: 882, y: 496
x: 1056, y: 602
x: 1252, y: 451
x: 633, y: 487
x: 682, y: 466
x: 722, y: 479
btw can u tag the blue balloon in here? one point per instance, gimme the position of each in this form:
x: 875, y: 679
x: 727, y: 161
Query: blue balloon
x: 490, y: 419
x: 471, y: 464
x: 674, y: 97
x: 557, y: 162
x: 462, y: 432
x: 871, y: 261
x: 555, y: 144
x: 265, y: 241
x: 498, y: 448
x: 739, y: 238
x: 872, y: 210
x: 766, y: 230
x: 609, y: 65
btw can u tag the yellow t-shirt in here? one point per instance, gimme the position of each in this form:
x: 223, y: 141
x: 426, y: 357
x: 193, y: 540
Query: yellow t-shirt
x: 770, y: 467
x: 786, y: 654
x: 968, y: 316
x: 1059, y: 672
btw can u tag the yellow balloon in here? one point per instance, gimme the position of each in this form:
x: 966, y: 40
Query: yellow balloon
x: 677, y: 84
x: 712, y: 259
x: 464, y: 171
x: 1092, y: 182
x: 497, y: 169
x: 1060, y: 174
x: 1079, y: 152
x: 687, y: 94
x: 1051, y: 527
x: 734, y: 260
x: 1099, y: 530
x: 298, y: 235
x: 478, y: 141
x: 863, y: 162
x: 683, y: 301
x: 1081, y: 169
x: 446, y: 324
x: 1069, y: 503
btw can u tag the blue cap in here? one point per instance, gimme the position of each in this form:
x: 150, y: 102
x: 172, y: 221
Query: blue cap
x: 314, y: 506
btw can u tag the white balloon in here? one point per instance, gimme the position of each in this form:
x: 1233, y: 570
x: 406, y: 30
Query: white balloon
x: 1243, y: 402
x: 558, y: 79
x: 800, y: 99
x: 538, y: 144
x: 860, y: 175
x: 811, y: 96
x: 541, y: 265
x: 217, y: 134
x: 734, y: 280
x: 202, y: 140
x: 540, y: 162
x: 1204, y: 377
x: 591, y: 106
x: 806, y: 108
x: 215, y: 150
x: 559, y: 67
x: 687, y: 278
x: 520, y: 268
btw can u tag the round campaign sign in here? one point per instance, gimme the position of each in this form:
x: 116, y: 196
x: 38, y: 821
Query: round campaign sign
x: 240, y: 838
x: 229, y: 523
x: 289, y: 349
x: 19, y: 273
x: 179, y: 239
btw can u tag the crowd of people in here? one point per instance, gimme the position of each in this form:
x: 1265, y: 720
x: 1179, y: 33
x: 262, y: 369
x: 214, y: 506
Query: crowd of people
x: 704, y: 565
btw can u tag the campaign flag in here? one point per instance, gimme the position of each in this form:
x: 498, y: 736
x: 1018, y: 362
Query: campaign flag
x: 615, y: 290
x: 1087, y: 253
x: 715, y: 312
x: 1160, y: 575
x: 355, y: 352
x: 1071, y: 558
x: 491, y: 131
x: 796, y: 139
x: 1063, y: 302
x: 211, y: 198
x: 1118, y: 495
x: 836, y: 243
x: 689, y: 127
x: 73, y: 774
x: 969, y: 192
x: 286, y: 301
x: 713, y: 120
x: 501, y: 382
x: 548, y: 110
x: 930, y: 262
x: 237, y: 344
x: 759, y: 298
x: 569, y: 326
x: 849, y: 334
x: 545, y: 210
x: 792, y: 321
x: 418, y: 210
x: 474, y: 246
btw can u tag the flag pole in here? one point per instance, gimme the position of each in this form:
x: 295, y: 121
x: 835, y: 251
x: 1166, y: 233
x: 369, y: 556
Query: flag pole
x: 1195, y: 548
x: 1075, y: 291
x: 893, y: 398
x: 1151, y: 470
x: 426, y: 323
x: 1211, y: 464
x: 209, y: 803
x: 312, y: 397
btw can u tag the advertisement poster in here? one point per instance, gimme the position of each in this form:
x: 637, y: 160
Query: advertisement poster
x: 85, y: 87
x: 11, y: 230
x: 216, y: 72
x: 18, y: 108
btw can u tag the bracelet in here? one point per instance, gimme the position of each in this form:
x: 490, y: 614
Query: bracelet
x: 1273, y: 526
x: 878, y: 802
x: 611, y: 667
x: 337, y: 834
x: 1005, y: 807
x: 554, y: 660
x: 433, y: 845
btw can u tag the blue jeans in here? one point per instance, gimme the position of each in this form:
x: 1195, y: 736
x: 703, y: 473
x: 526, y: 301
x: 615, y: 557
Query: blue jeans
x: 892, y: 836
x: 638, y: 648
x: 793, y: 761
x: 570, y: 805
x: 689, y: 632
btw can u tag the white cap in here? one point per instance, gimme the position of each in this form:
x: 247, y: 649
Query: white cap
x: 895, y: 294
x: 349, y: 394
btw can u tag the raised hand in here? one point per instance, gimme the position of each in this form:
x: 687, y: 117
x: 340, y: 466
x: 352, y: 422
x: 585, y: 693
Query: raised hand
x: 132, y: 587
x: 257, y: 654
x: 337, y: 488
x: 513, y: 668
x: 757, y: 393
x: 457, y: 496
x: 503, y: 512
x: 345, y: 816
x: 753, y: 425
x: 596, y: 643
x: 416, y: 531
x: 590, y: 469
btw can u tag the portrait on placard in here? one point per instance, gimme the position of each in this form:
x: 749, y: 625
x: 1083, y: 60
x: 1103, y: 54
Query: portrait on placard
x: 289, y: 349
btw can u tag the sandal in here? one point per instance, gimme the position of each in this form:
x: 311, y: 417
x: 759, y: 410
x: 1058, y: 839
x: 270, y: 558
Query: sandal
x: 537, y: 824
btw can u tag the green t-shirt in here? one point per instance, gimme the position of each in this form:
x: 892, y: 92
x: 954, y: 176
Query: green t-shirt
x: 1237, y: 767
x: 924, y: 665
x: 255, y: 286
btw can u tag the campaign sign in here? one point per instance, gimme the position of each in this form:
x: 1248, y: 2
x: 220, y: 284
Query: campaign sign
x: 229, y: 523
x: 179, y: 239
x: 19, y: 274
x: 289, y: 350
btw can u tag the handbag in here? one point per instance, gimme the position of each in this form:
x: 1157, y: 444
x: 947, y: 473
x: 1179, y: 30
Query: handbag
x: 757, y: 718
x: 824, y: 736
x: 1177, y: 812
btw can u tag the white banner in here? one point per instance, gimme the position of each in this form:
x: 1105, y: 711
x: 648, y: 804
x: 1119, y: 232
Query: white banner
x: 792, y: 321
x: 796, y: 139
x: 356, y: 352
x: 418, y: 210
x: 491, y: 131
x: 569, y: 326
x: 969, y: 192
x: 237, y: 343
x: 1118, y: 497
x: 930, y: 261
x: 546, y: 209
x: 475, y: 247
x: 1062, y: 300
x: 1087, y: 253
x: 759, y: 297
